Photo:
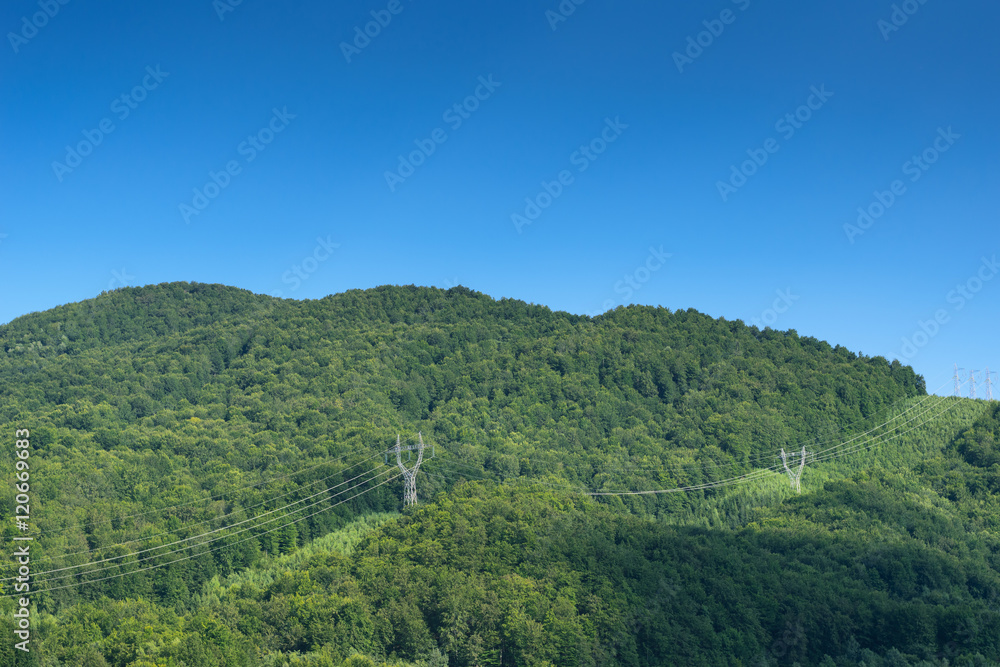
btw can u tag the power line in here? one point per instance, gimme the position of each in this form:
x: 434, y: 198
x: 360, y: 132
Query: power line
x: 832, y: 453
x: 153, y: 567
x: 759, y: 472
x: 862, y: 447
x: 185, y: 548
x: 935, y: 402
x: 844, y: 448
x: 868, y: 433
x: 679, y: 467
x: 411, y: 484
x: 213, y: 498
x: 205, y: 534
x: 810, y: 441
x: 215, y: 518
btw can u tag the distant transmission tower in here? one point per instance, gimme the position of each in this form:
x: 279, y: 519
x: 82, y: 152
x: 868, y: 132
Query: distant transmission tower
x: 958, y: 385
x: 409, y: 474
x: 972, y: 384
x: 989, y: 383
x: 795, y: 476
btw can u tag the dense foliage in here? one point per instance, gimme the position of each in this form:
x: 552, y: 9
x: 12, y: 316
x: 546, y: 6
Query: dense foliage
x: 160, y: 413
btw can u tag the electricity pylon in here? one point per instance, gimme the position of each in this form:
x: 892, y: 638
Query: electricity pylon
x: 795, y: 476
x: 972, y: 384
x: 989, y: 383
x: 409, y: 474
x: 958, y: 385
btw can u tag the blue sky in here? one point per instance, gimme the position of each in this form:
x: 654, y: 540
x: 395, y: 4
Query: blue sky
x: 707, y: 156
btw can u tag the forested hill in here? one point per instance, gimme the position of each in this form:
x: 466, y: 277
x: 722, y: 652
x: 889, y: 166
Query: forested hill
x: 425, y: 354
x: 515, y: 387
x: 160, y: 413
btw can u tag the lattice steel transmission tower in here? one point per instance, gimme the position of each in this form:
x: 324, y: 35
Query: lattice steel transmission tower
x: 958, y: 385
x: 989, y: 383
x: 795, y: 476
x: 409, y: 474
x: 972, y: 384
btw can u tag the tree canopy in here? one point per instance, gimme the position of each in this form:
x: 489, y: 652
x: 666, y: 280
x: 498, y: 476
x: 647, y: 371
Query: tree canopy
x: 161, y: 413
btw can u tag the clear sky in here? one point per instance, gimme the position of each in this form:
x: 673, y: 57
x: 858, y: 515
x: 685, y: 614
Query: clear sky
x: 580, y: 155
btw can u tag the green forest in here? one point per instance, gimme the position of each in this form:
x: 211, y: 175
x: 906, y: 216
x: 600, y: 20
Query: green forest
x: 213, y: 484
